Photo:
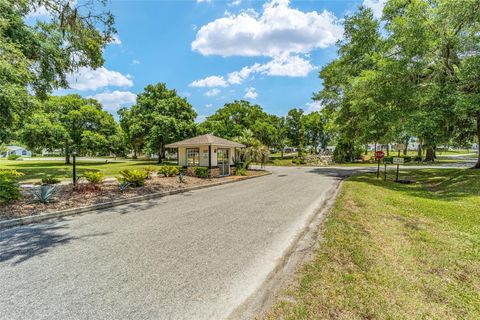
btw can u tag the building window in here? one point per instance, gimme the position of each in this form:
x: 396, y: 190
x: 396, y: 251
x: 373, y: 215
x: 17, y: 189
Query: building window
x: 193, y: 157
x: 24, y: 153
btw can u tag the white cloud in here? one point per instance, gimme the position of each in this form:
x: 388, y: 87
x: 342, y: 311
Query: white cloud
x: 285, y: 66
x: 112, y: 101
x: 116, y: 40
x: 200, y: 1
x: 235, y: 3
x: 209, y: 105
x: 376, y: 6
x: 278, y: 30
x: 135, y: 61
x: 212, y: 92
x: 88, y: 79
x: 250, y: 93
x: 313, y: 106
x: 212, y: 81
x: 200, y: 118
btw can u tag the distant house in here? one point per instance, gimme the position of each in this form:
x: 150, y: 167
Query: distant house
x: 217, y: 154
x: 17, y: 150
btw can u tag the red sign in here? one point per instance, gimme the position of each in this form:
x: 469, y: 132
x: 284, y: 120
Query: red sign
x: 379, y: 155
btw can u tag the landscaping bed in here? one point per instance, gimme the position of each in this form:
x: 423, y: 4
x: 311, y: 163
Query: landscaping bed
x: 66, y: 197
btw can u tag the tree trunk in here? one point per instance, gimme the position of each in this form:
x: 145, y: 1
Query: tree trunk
x: 160, y: 155
x: 67, y: 158
x: 405, y: 150
x: 430, y: 156
x: 477, y: 165
x: 134, y: 153
x: 388, y: 150
x: 366, y: 149
x: 281, y: 153
x: 419, y: 149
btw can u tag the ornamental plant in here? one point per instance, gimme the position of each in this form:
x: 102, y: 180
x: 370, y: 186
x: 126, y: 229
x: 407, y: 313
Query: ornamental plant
x: 169, y: 171
x: 9, y: 186
x: 136, y: 178
x: 94, y: 178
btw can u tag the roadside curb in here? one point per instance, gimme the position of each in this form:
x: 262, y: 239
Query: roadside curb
x: 68, y: 212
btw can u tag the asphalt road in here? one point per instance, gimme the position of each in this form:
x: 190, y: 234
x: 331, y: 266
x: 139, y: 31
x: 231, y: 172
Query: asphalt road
x: 196, y: 255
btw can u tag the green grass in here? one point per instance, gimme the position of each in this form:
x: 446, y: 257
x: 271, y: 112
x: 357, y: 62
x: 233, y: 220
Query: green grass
x: 35, y: 170
x: 394, y: 251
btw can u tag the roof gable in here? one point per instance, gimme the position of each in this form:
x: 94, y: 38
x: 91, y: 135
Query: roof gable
x: 206, y: 139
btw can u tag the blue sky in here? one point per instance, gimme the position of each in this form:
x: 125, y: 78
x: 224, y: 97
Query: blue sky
x: 213, y: 52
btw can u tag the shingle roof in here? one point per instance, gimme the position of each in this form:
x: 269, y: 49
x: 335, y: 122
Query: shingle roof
x: 206, y: 139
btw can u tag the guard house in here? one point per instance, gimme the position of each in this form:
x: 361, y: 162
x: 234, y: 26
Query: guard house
x: 216, y: 153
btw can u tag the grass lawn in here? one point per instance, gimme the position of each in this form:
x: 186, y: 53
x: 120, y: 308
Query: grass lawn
x: 393, y: 251
x: 35, y: 170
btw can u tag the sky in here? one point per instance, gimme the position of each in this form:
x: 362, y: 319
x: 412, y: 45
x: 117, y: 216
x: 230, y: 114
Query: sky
x: 214, y: 52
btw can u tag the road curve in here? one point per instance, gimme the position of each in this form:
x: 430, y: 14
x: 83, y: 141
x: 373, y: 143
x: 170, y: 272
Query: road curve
x: 196, y: 255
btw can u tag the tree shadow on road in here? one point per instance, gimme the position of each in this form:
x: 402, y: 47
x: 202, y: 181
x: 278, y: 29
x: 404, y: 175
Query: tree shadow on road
x: 22, y: 243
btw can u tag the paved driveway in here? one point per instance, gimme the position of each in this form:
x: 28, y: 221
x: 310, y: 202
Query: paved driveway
x: 196, y: 255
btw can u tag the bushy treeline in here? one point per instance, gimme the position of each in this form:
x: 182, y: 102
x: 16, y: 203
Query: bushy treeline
x: 413, y: 73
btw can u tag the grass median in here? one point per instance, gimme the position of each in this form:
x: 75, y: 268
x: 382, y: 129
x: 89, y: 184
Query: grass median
x: 395, y: 251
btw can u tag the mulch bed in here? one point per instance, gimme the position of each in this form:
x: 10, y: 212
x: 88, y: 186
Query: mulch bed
x: 67, y: 198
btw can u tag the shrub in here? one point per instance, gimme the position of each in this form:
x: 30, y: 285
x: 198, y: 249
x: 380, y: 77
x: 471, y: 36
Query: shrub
x: 93, y: 177
x: 44, y: 194
x: 169, y: 171
x: 418, y: 159
x: 123, y: 186
x: 149, y: 170
x: 407, y: 159
x: 135, y: 177
x: 201, y: 172
x: 9, y: 187
x: 241, y: 172
x: 13, y: 157
x: 50, y: 180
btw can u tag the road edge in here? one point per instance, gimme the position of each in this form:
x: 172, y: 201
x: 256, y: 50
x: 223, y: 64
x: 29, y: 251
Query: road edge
x: 73, y: 211
x: 302, y: 247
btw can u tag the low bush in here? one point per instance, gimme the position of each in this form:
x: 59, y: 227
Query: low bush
x: 9, y: 187
x: 135, y: 177
x: 50, y: 180
x: 169, y: 171
x: 13, y: 157
x: 418, y: 159
x: 93, y: 177
x: 201, y: 172
x: 150, y: 170
x: 241, y: 172
x: 44, y: 194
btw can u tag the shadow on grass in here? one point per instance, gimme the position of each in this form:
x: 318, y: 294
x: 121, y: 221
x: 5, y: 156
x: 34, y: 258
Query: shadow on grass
x: 434, y: 184
x: 22, y: 243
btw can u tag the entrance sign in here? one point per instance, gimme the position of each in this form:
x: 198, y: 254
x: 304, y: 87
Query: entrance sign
x: 398, y: 160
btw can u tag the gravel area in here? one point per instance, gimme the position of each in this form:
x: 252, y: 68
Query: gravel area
x: 67, y: 197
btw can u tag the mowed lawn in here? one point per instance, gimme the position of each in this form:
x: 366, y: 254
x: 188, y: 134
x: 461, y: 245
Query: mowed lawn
x: 393, y: 251
x: 35, y: 170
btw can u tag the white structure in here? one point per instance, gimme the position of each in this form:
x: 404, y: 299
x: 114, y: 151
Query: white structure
x: 217, y: 154
x: 17, y: 150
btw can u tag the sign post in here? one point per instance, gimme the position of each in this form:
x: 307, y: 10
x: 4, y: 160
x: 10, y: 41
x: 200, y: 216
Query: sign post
x: 398, y: 160
x: 379, y: 156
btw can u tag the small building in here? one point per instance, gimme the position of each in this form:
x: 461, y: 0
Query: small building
x: 16, y: 150
x: 209, y: 151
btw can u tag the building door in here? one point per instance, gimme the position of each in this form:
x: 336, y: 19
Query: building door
x: 223, y: 162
